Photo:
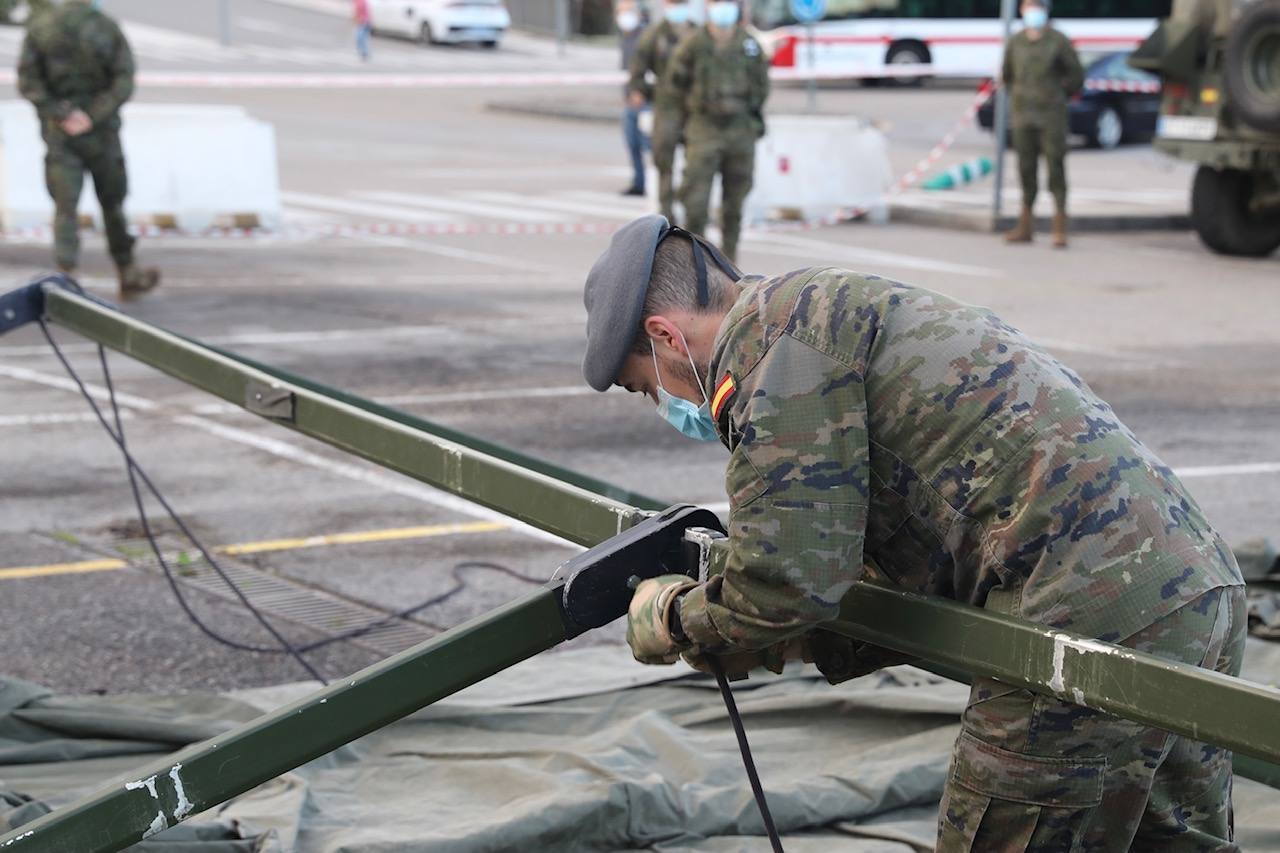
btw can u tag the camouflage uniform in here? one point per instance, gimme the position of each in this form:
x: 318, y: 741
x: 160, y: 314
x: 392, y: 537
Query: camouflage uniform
x: 652, y: 56
x: 75, y: 57
x: 1040, y: 74
x: 868, y: 420
x: 725, y: 87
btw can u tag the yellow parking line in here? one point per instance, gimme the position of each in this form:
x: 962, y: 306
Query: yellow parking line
x: 364, y: 536
x: 62, y: 569
x: 356, y: 538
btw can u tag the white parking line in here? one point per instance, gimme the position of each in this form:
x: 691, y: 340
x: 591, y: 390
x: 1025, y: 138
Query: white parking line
x: 790, y: 246
x: 54, y: 418
x: 381, y: 212
x: 22, y: 374
x: 386, y: 481
x: 488, y: 394
x: 517, y: 211
x: 396, y: 484
x: 1228, y: 470
x: 417, y: 245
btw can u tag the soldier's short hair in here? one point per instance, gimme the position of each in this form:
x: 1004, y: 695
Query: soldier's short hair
x: 673, y: 284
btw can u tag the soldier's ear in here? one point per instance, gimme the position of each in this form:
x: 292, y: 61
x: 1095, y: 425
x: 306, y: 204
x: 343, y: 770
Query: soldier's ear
x: 662, y: 333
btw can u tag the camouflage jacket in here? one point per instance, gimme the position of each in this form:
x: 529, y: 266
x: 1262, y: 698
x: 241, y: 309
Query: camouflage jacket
x: 871, y: 420
x: 652, y: 55
x: 76, y: 57
x: 724, y: 87
x: 1041, y: 73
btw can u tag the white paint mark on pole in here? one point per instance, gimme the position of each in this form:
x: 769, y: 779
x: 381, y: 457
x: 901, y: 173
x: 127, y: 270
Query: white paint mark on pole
x: 184, y: 806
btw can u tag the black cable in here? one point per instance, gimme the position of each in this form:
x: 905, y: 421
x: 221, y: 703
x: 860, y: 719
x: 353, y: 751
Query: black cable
x: 132, y: 466
x: 135, y: 473
x: 745, y: 748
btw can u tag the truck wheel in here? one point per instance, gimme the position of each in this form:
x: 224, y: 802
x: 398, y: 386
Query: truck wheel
x: 1251, y: 66
x: 1221, y: 216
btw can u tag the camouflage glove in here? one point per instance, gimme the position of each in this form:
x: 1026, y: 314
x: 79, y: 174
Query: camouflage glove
x: 841, y: 658
x: 737, y: 664
x: 649, y: 619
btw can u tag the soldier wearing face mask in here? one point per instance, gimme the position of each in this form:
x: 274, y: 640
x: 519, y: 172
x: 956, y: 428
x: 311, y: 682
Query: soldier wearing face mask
x: 1041, y: 70
x: 882, y: 431
x: 648, y: 86
x: 723, y: 80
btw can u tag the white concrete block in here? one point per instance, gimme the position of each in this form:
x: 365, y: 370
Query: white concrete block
x: 811, y: 168
x: 194, y: 165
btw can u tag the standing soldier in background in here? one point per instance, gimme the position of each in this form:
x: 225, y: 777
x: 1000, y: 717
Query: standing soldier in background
x: 1041, y: 69
x: 724, y: 78
x: 630, y: 29
x: 77, y: 69
x: 648, y: 85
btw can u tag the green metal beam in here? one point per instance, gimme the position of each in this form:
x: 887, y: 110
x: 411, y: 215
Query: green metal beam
x: 569, y: 511
x: 165, y: 792
x: 498, y: 451
x: 1210, y: 706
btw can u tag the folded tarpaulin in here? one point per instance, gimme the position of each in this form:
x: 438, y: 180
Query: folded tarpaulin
x: 574, y: 750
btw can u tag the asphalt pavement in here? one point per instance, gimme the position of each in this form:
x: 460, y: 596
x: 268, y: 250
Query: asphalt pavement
x: 484, y: 332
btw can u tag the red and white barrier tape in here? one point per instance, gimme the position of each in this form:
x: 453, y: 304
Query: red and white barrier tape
x: 364, y: 229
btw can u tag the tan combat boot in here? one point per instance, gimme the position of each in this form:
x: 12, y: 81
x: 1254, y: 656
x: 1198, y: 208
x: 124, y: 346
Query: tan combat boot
x: 136, y: 280
x: 1060, y: 230
x: 1020, y: 233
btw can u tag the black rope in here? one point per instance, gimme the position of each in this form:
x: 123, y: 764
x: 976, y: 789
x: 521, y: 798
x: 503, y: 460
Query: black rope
x: 136, y: 473
x: 745, y: 748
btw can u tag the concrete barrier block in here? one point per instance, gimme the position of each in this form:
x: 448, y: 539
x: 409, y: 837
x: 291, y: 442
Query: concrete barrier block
x: 190, y: 167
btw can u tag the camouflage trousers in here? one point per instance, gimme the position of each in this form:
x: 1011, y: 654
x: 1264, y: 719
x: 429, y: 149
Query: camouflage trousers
x: 1035, y: 773
x: 729, y: 151
x: 663, y: 143
x: 1032, y: 143
x: 67, y: 158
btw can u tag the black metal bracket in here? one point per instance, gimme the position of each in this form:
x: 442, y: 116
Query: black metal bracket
x: 26, y: 304
x: 598, y: 583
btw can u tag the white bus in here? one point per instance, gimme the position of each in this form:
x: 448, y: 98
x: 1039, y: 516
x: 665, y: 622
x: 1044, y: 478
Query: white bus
x: 958, y: 38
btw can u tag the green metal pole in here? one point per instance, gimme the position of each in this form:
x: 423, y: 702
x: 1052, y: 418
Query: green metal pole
x: 160, y: 795
x: 569, y: 511
x: 1210, y: 706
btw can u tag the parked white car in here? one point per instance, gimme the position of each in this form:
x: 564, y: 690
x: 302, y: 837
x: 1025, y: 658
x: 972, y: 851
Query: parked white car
x: 442, y: 21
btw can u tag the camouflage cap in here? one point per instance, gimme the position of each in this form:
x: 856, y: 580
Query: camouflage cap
x: 614, y: 296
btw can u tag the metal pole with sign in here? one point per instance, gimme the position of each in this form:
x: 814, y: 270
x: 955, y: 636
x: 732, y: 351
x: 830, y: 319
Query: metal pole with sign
x: 1002, y: 116
x: 806, y: 12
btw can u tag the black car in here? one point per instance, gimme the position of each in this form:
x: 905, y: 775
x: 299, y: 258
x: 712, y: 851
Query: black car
x: 1118, y: 104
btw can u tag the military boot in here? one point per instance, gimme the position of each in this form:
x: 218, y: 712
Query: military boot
x: 136, y: 280
x: 1020, y: 233
x: 1060, y: 229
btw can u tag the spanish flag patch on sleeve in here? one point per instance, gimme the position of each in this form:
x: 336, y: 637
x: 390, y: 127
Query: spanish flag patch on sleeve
x: 723, y: 394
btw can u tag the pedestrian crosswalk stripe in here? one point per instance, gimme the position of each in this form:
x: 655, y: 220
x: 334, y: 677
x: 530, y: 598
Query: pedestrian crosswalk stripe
x: 517, y: 212
x: 377, y: 211
x: 559, y: 203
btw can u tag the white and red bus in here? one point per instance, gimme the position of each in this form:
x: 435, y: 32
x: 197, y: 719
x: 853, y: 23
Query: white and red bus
x: 956, y: 38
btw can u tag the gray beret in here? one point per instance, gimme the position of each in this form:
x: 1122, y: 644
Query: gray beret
x: 614, y: 296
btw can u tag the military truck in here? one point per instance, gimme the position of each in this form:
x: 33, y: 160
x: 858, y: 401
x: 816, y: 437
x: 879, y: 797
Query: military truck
x: 1220, y: 64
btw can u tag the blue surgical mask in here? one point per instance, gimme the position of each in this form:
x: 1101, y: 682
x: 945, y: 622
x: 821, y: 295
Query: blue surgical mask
x: 723, y: 14
x: 1035, y: 18
x: 691, y: 420
x: 677, y: 14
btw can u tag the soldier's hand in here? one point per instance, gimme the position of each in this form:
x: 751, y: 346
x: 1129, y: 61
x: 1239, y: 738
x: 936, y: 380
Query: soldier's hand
x: 649, y: 619
x: 737, y: 664
x: 77, y: 123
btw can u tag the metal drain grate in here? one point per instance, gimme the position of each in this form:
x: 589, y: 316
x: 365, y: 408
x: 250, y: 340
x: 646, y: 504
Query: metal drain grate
x: 316, y: 609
